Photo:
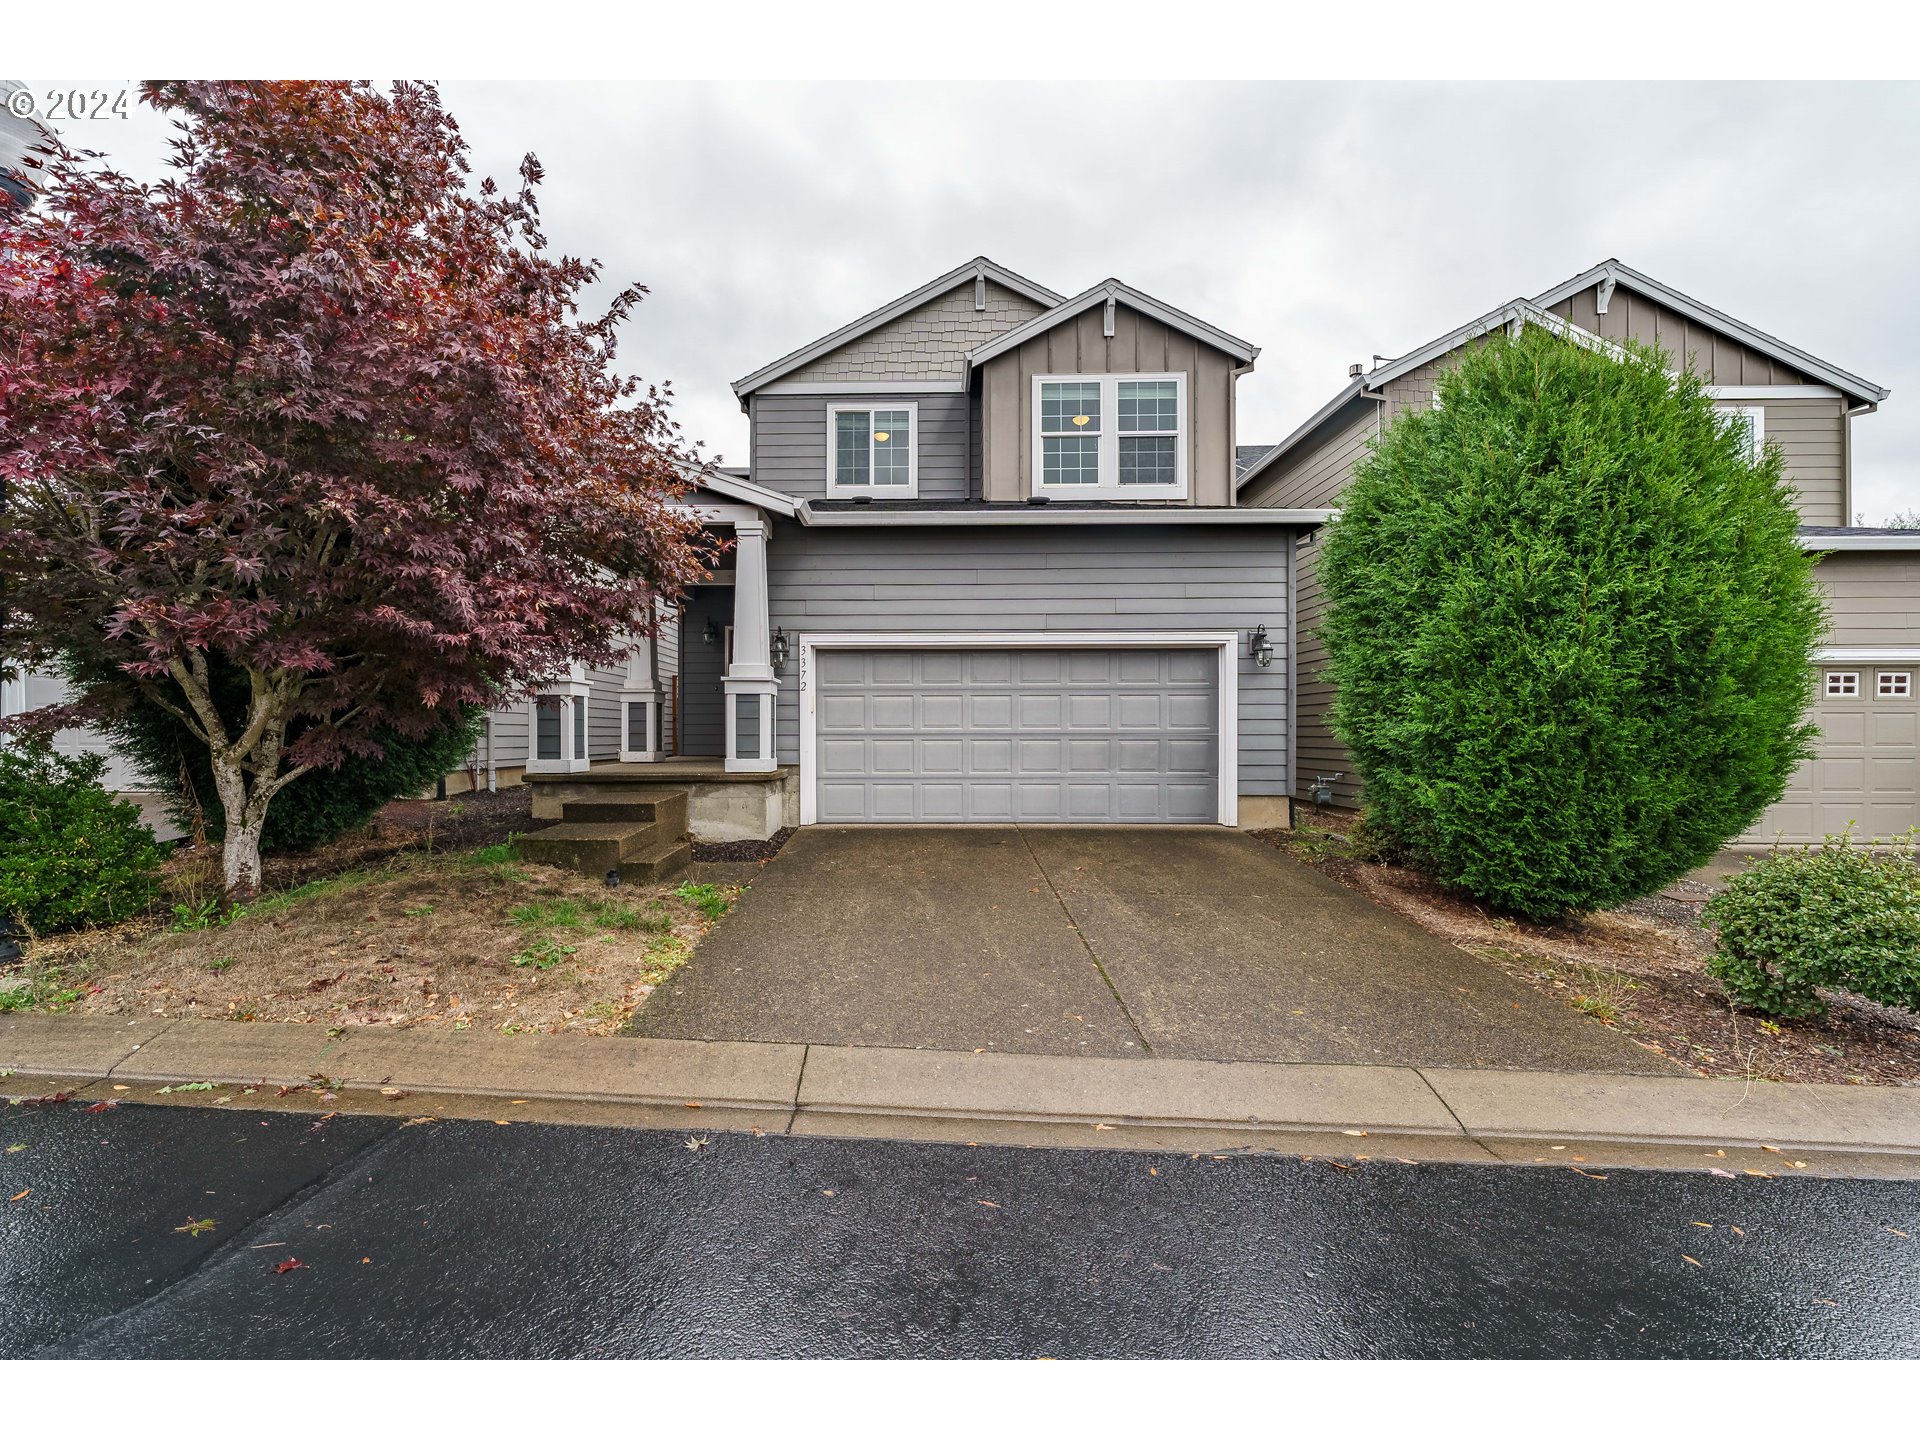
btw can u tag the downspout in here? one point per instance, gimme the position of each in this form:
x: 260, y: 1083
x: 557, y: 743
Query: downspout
x: 1847, y: 516
x: 493, y: 775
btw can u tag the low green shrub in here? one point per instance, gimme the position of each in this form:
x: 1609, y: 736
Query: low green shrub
x: 70, y: 853
x: 1833, y: 916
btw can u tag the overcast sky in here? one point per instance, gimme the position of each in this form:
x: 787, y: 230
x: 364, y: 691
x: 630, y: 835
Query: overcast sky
x: 1323, y: 222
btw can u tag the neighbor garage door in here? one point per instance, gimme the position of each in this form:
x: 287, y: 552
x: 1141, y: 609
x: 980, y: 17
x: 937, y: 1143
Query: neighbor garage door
x: 1867, y: 767
x: 1029, y: 736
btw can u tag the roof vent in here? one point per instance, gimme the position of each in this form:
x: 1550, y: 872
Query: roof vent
x: 1356, y: 370
x: 1038, y: 499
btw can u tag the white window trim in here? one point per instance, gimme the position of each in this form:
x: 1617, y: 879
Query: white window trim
x: 1830, y: 690
x: 1111, y: 488
x: 909, y: 491
x: 1757, y: 418
x: 1881, y: 690
x: 1226, y: 644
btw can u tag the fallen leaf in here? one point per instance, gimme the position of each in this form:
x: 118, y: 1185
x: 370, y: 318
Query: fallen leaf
x: 1152, y: 1171
x: 1691, y: 1261
x: 1099, y: 1126
x: 290, y: 1263
x: 695, y: 1105
x: 991, y: 1205
x: 1724, y: 1174
x: 419, y: 1120
x: 123, y: 1087
x: 366, y: 1259
x: 1819, y: 1301
x: 1760, y: 1174
x: 1798, y: 1164
x: 1338, y: 1166
x: 695, y: 1142
x: 1738, y: 1231
x: 1701, y: 1223
x: 1771, y: 1149
x: 517, y: 1102
x: 1588, y: 1173
x: 1901, y: 1233
x: 391, y: 1092
x: 503, y: 1122
x: 16, y: 1149
x: 16, y: 1199
x: 195, y: 1227
x: 99, y: 1105
x: 1353, y: 1132
x: 826, y: 1192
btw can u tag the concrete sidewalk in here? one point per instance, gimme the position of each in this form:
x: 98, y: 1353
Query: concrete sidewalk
x: 1365, y: 1111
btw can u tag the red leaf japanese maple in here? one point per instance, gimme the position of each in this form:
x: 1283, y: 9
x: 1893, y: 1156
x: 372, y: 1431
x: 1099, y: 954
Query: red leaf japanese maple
x: 317, y: 405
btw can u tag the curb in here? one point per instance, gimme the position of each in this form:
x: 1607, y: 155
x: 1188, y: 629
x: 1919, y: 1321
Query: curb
x: 1368, y: 1111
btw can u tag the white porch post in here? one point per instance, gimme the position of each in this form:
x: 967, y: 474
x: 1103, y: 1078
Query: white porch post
x: 567, y: 697
x: 749, y: 684
x: 640, y: 705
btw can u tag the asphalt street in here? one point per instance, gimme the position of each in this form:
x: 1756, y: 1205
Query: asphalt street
x: 370, y: 1237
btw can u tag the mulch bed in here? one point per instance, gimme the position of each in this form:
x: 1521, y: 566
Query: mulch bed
x: 1641, y: 968
x: 743, y: 850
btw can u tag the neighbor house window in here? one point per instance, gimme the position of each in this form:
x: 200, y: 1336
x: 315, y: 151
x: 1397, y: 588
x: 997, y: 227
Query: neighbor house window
x: 1894, y: 684
x: 1842, y: 683
x: 1751, y: 421
x: 871, y: 450
x: 1110, y: 437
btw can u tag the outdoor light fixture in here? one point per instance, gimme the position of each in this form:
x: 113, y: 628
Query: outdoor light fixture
x: 1260, y: 647
x: 777, y: 649
x: 711, y: 634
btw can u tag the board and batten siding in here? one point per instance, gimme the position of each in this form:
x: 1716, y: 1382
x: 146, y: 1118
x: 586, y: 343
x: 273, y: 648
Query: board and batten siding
x: 789, y: 442
x: 1079, y: 346
x: 1053, y: 579
x: 1716, y: 358
x: 1873, y: 599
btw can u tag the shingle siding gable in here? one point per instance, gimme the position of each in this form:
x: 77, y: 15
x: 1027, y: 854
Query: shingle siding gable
x: 927, y: 343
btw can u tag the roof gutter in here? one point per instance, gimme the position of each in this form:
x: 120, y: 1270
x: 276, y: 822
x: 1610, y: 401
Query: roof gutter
x: 1046, y: 515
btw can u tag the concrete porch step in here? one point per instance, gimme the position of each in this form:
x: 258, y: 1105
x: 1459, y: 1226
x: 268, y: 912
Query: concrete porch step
x: 591, y: 847
x: 663, y: 861
x: 666, y: 807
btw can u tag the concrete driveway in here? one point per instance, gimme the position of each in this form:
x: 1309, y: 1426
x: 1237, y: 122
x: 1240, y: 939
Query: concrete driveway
x: 1187, y: 943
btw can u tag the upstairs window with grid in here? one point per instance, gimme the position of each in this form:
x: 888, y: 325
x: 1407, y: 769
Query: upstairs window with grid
x: 1149, y: 432
x: 1110, y: 437
x: 872, y: 451
x: 1070, y: 432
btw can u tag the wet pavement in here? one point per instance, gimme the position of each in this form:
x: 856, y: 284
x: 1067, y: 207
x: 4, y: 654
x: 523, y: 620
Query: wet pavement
x: 1180, y: 943
x: 477, y: 1239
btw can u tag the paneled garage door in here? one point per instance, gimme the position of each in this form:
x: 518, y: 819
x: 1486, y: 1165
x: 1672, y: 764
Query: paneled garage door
x: 1867, y: 769
x: 1028, y: 736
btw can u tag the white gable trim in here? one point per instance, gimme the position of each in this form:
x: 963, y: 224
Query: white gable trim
x: 1513, y: 314
x: 745, y: 491
x: 1612, y: 271
x: 978, y: 270
x: 1106, y: 292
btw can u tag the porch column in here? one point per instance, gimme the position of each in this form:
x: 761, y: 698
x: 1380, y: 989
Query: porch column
x: 640, y: 704
x: 749, y: 684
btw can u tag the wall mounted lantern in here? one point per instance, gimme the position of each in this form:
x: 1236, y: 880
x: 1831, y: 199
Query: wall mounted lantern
x: 777, y: 650
x: 1260, y: 647
x: 711, y: 631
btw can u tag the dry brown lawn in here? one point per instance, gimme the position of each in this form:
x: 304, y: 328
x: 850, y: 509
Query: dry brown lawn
x: 1641, y: 968
x: 472, y: 940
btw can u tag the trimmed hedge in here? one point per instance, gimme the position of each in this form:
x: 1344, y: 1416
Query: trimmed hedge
x: 1571, y: 627
x: 1833, y: 917
x: 70, y: 853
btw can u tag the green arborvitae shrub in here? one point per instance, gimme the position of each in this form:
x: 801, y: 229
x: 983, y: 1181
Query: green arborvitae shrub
x: 70, y: 853
x: 1833, y: 917
x: 321, y: 805
x: 1571, y: 627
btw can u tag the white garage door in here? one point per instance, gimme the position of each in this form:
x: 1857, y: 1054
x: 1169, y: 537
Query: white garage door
x: 1867, y: 767
x: 1016, y: 736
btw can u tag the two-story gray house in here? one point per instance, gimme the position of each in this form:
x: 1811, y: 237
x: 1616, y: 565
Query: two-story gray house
x: 988, y: 564
x: 1867, y: 770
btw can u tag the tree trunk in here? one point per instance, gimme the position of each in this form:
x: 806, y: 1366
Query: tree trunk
x: 246, y: 817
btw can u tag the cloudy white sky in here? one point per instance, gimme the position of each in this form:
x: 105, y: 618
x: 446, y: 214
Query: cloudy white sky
x: 1324, y: 222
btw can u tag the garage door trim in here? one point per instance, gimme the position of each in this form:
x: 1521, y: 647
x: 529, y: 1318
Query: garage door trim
x: 1226, y: 644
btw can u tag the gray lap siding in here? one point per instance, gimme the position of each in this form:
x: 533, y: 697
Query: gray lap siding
x: 1053, y: 579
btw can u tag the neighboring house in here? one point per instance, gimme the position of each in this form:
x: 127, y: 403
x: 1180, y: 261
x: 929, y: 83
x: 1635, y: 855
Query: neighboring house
x: 988, y: 566
x: 1867, y: 771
